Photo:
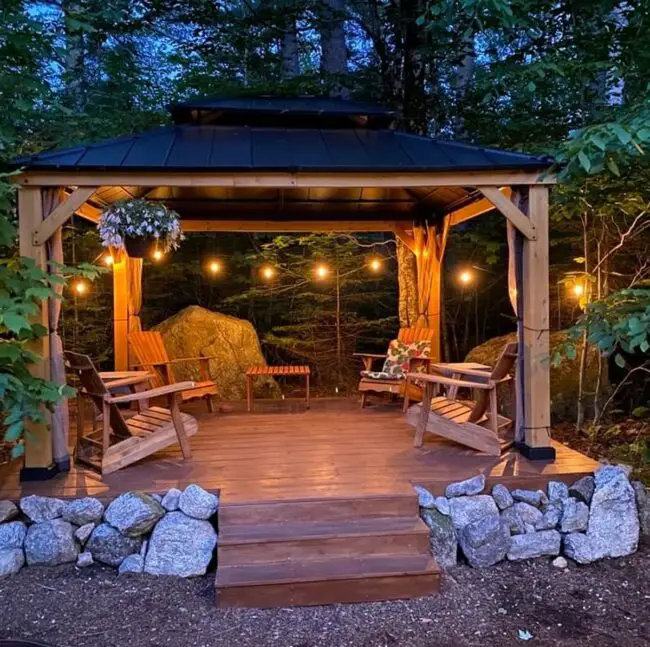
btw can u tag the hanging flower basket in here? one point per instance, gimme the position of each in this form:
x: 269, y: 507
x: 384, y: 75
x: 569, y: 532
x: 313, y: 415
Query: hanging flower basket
x: 140, y: 226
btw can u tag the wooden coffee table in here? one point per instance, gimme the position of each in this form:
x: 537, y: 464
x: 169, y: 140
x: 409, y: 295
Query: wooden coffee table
x: 254, y: 371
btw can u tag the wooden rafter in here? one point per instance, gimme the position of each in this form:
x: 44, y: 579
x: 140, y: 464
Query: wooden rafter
x: 519, y: 219
x: 62, y: 214
x: 191, y: 225
x: 475, y: 209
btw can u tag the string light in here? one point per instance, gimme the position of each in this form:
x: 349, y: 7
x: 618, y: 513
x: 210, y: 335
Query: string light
x: 375, y: 264
x: 157, y: 255
x: 578, y: 289
x: 80, y: 288
x: 465, y: 277
x: 109, y: 260
x: 214, y: 267
x: 267, y: 272
x: 321, y: 271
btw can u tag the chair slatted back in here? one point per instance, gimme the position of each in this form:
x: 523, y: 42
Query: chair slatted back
x: 150, y: 351
x: 408, y: 335
x: 503, y: 366
x: 94, y: 386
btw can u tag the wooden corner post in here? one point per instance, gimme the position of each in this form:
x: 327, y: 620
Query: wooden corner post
x: 38, y: 464
x: 535, y: 320
x: 121, y: 311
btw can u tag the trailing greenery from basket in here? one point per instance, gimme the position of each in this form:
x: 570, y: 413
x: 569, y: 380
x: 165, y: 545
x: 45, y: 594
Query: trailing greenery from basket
x: 23, y: 285
x: 138, y: 218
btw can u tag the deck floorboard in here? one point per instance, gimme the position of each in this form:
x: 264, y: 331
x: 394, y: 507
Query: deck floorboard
x: 282, y: 451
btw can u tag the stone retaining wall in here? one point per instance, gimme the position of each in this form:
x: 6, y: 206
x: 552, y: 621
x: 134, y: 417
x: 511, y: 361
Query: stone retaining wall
x: 598, y: 516
x: 136, y: 532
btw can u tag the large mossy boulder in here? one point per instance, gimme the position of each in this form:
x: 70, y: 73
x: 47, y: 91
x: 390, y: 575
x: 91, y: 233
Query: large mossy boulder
x: 195, y: 332
x: 564, y: 378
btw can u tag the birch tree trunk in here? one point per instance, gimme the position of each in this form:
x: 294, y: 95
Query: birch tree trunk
x: 289, y: 49
x: 407, y: 278
x: 74, y: 60
x: 334, y: 54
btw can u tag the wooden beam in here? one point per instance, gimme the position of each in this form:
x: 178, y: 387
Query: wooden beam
x: 535, y: 315
x: 404, y: 236
x: 89, y: 212
x: 38, y: 439
x: 191, y: 225
x: 475, y: 209
x: 520, y: 220
x: 121, y: 312
x: 62, y: 214
x: 165, y: 177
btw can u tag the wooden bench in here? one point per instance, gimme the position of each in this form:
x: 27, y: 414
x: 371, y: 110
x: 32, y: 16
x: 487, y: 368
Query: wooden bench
x: 274, y: 371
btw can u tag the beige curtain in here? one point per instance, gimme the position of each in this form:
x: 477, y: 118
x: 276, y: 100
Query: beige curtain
x: 134, y: 277
x: 60, y: 418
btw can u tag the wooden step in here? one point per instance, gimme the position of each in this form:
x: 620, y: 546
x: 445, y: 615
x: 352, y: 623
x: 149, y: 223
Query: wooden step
x: 258, y: 543
x: 327, y: 581
x: 319, y: 510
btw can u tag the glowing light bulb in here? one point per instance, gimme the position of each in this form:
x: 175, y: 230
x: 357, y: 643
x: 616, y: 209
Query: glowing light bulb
x: 578, y: 289
x: 80, y: 288
x: 465, y: 277
x: 321, y: 271
x: 375, y: 264
x: 109, y: 260
x: 215, y: 267
x: 157, y: 255
x: 267, y: 272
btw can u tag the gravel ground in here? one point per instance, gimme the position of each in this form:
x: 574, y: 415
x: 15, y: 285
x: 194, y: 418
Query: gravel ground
x: 600, y: 605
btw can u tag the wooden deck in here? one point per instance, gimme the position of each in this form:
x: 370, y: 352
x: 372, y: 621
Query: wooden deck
x: 284, y: 452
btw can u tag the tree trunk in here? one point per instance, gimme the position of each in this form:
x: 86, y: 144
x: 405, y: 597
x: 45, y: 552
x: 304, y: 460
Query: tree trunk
x: 407, y: 277
x: 462, y: 81
x: 74, y: 61
x: 289, y: 49
x: 334, y: 54
x: 414, y: 94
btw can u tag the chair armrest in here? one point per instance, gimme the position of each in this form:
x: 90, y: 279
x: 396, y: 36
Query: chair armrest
x: 470, y: 371
x: 371, y: 355
x: 150, y: 393
x: 448, y: 381
x: 179, y: 360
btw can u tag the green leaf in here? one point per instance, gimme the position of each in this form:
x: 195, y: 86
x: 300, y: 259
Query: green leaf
x: 15, y: 322
x: 619, y: 360
x: 613, y: 167
x: 585, y: 162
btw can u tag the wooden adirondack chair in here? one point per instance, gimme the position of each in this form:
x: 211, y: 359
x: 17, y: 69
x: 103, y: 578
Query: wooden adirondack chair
x: 152, y: 355
x: 122, y: 441
x: 476, y: 424
x: 394, y: 384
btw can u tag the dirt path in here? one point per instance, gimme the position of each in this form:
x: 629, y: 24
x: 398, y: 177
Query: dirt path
x: 602, y: 605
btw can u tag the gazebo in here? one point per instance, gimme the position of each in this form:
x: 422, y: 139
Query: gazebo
x: 297, y: 164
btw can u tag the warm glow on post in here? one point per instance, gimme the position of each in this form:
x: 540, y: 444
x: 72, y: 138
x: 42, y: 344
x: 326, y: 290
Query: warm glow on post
x: 321, y: 270
x: 267, y: 272
x: 215, y: 267
x: 157, y: 255
x: 109, y: 260
x: 465, y: 277
x: 375, y: 264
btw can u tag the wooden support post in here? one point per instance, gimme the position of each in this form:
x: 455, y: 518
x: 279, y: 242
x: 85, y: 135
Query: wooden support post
x: 38, y: 463
x: 535, y: 318
x: 121, y: 311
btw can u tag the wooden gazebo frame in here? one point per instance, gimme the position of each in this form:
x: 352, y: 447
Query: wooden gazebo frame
x: 520, y: 194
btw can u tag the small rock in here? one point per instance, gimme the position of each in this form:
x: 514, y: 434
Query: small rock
x: 531, y: 497
x: 442, y: 538
x: 42, y: 508
x: 50, y: 543
x: 8, y: 511
x: 575, y: 517
x: 157, y: 497
x: 171, y: 500
x: 485, y: 542
x: 560, y: 562
x: 82, y: 533
x: 85, y: 559
x: 109, y: 546
x: 134, y: 513
x: 502, y: 496
x: 425, y: 498
x: 583, y: 489
x: 197, y: 503
x: 180, y: 545
x: 513, y: 521
x: 608, y: 472
x: 535, y: 544
x: 83, y: 511
x: 131, y: 564
x: 557, y: 491
x: 11, y: 561
x: 442, y: 505
x: 551, y: 516
x: 143, y: 548
x: 12, y: 535
x: 468, y: 487
x: 528, y: 513
x: 643, y: 506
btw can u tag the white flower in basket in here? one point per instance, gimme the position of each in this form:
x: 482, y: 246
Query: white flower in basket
x: 140, y: 218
